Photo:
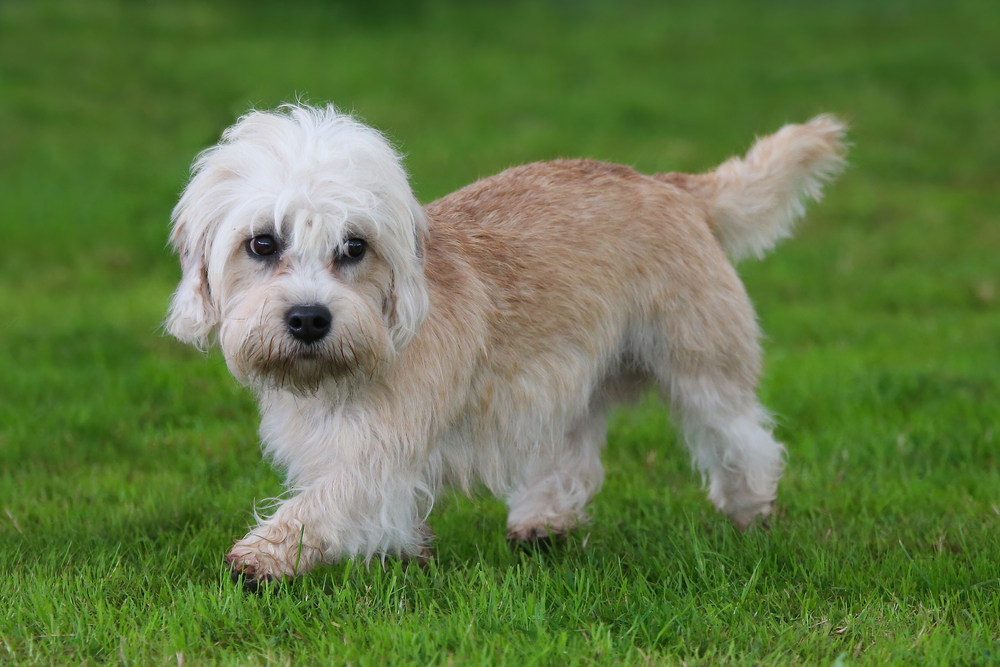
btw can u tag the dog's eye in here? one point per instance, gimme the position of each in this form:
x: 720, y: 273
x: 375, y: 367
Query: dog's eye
x: 262, y: 246
x: 355, y: 248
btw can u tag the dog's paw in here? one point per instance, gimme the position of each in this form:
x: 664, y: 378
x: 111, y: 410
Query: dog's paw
x: 743, y: 502
x: 745, y: 516
x: 425, y: 555
x: 541, y: 532
x: 271, y: 553
x: 249, y: 575
x: 421, y: 560
x: 534, y: 538
x: 246, y: 571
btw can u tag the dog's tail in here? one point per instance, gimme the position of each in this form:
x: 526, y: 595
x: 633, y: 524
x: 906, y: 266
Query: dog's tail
x: 754, y: 201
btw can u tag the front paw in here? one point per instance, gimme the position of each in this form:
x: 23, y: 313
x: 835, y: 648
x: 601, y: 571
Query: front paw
x: 269, y: 554
x: 246, y: 571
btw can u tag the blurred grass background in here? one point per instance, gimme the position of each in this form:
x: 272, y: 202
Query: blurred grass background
x: 128, y: 462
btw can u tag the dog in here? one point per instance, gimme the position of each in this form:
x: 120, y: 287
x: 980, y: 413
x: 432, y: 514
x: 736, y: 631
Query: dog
x: 397, y: 350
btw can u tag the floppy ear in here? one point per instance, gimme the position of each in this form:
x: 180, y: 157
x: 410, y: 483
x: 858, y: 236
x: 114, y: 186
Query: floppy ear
x: 409, y: 302
x: 193, y: 317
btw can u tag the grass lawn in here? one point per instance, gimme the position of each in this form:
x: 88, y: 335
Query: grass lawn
x: 129, y: 462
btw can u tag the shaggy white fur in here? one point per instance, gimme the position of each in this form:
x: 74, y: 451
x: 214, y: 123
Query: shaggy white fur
x: 396, y: 350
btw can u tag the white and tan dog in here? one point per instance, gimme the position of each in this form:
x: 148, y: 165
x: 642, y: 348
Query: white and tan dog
x: 397, y: 349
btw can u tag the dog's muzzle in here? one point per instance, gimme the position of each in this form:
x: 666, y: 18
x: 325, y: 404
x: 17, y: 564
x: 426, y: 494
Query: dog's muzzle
x: 308, y: 323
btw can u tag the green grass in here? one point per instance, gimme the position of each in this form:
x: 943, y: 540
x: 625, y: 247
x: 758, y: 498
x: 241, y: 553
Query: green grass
x: 128, y: 462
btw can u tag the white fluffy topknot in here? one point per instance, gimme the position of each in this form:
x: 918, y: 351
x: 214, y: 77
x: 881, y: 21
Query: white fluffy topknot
x: 271, y: 165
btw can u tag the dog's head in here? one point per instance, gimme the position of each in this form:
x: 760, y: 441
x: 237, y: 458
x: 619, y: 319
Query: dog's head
x: 301, y: 248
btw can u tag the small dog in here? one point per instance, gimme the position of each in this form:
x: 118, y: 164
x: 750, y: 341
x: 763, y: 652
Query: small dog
x: 397, y: 349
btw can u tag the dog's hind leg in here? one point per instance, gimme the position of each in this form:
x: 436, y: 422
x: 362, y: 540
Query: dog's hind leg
x: 551, y: 498
x: 702, y: 347
x: 731, y: 443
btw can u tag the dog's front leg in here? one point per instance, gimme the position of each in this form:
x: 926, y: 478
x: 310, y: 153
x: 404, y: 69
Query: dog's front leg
x: 278, y: 546
x: 364, y: 509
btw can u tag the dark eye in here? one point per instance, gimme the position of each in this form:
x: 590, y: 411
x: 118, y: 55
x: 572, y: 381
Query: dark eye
x: 355, y: 248
x: 264, y: 245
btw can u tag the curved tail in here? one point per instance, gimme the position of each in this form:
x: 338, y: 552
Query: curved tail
x: 754, y: 201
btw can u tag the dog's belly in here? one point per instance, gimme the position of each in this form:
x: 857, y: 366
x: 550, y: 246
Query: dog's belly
x: 514, y: 425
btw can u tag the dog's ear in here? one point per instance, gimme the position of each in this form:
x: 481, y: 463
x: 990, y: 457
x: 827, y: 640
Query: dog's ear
x: 193, y: 316
x: 408, y: 303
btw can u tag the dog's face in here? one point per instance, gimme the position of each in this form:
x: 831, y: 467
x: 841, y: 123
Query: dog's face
x: 300, y: 243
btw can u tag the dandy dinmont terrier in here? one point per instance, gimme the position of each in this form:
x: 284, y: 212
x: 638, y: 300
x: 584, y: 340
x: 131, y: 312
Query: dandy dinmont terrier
x: 398, y: 349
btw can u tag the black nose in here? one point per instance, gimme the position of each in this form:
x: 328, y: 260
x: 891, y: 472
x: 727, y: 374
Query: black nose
x: 308, y: 323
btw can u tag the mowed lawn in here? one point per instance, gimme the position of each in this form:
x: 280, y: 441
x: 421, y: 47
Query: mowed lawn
x: 129, y: 462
